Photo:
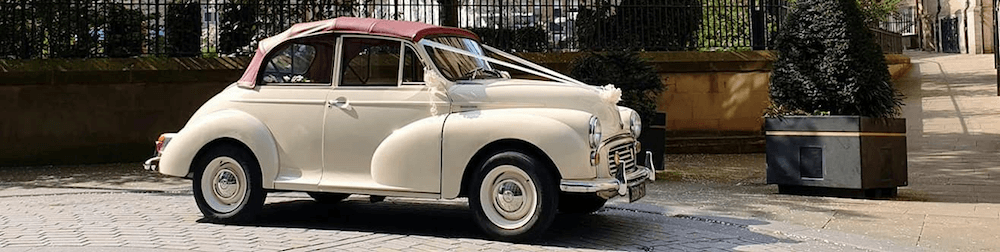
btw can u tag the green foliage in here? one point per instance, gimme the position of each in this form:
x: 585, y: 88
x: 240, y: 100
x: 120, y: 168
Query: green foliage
x: 653, y: 25
x: 525, y: 39
x: 59, y: 28
x: 828, y: 61
x: 16, y: 39
x: 725, y: 27
x: 638, y: 80
x: 68, y: 33
x: 123, y: 32
x: 183, y: 28
x: 874, y: 11
x: 237, y: 25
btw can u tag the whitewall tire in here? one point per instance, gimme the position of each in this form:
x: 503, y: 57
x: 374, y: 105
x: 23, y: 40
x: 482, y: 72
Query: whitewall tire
x: 513, y: 196
x: 227, y: 184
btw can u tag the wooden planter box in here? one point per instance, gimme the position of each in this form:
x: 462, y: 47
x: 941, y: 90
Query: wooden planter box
x: 836, y: 155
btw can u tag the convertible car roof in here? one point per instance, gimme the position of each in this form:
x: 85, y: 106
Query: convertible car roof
x: 412, y: 31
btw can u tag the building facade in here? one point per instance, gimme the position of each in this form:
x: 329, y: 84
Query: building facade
x: 952, y: 26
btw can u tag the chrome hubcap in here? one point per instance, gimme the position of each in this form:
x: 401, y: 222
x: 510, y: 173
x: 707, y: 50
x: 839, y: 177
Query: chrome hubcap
x: 224, y: 184
x: 508, y: 197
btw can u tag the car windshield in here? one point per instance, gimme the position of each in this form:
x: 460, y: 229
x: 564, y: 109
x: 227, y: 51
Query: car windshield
x: 455, y: 66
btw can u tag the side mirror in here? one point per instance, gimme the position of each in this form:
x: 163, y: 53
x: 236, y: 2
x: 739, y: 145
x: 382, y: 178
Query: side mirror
x: 504, y: 74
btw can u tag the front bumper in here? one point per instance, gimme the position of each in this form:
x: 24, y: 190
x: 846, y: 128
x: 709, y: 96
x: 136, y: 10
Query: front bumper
x: 611, y: 187
x: 152, y: 164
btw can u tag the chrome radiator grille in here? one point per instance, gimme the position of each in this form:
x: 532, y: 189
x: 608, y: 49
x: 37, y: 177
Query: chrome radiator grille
x: 626, y: 159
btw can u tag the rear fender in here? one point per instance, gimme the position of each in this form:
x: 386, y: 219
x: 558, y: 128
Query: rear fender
x: 179, y: 155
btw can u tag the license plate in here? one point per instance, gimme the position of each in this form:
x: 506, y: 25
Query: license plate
x: 636, y: 192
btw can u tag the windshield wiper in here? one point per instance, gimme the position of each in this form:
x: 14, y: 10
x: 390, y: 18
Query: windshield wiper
x: 475, y: 73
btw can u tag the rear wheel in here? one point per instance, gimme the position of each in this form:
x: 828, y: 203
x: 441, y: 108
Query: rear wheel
x: 513, y: 197
x: 227, y: 184
x: 328, y: 198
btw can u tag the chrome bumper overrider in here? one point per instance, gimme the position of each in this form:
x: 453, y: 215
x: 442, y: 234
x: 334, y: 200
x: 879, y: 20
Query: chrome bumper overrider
x: 610, y: 187
x: 152, y: 164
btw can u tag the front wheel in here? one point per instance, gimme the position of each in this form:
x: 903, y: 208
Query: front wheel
x: 513, y: 196
x: 227, y: 184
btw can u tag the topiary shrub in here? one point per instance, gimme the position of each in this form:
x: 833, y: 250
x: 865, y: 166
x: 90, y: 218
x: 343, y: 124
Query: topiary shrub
x: 182, y: 28
x: 828, y: 62
x: 123, y: 32
x: 237, y: 25
x: 638, y: 80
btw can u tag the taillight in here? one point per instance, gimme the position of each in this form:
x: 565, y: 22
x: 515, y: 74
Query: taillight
x: 161, y: 143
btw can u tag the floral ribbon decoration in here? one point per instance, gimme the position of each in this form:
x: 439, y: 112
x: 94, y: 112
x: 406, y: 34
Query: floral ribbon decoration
x: 608, y: 93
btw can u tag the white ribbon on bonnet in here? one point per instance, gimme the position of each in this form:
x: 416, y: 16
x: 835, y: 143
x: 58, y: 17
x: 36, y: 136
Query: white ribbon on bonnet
x: 608, y: 93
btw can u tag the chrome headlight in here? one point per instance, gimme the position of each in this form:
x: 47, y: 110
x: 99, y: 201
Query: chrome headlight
x: 595, y: 132
x: 635, y: 124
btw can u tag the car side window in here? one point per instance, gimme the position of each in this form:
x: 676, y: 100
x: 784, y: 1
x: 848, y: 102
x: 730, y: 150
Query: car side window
x: 370, y: 62
x: 413, y: 68
x: 300, y: 63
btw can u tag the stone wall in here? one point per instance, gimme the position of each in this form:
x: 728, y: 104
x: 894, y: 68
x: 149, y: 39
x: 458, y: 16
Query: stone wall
x: 714, y: 100
x: 100, y: 110
x: 111, y: 110
x: 712, y: 92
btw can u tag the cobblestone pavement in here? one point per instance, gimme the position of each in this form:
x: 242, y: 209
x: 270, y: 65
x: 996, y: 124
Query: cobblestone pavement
x: 45, y: 218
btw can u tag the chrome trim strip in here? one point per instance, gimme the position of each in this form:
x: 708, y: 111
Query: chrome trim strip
x: 282, y: 101
x: 618, y: 137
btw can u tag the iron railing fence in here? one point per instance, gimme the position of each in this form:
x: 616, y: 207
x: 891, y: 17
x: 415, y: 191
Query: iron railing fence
x: 128, y: 28
x: 903, y: 22
x: 890, y: 41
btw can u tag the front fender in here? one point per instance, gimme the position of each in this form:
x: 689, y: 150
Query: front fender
x: 560, y: 133
x: 180, y: 153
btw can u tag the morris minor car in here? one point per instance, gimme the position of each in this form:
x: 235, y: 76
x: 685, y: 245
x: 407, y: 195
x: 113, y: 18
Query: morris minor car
x: 403, y: 109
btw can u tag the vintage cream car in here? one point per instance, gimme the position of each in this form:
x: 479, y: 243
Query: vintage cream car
x: 402, y: 109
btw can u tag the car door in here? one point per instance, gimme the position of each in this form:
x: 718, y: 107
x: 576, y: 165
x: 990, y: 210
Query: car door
x: 290, y: 99
x: 382, y: 131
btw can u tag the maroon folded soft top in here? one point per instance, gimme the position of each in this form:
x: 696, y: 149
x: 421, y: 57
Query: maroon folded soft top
x: 412, y: 31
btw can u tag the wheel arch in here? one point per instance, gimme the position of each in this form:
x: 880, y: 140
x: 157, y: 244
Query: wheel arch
x: 227, y: 126
x: 499, y: 146
x: 557, y: 135
x: 222, y: 141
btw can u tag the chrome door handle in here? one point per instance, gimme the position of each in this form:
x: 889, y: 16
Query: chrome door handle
x: 339, y: 102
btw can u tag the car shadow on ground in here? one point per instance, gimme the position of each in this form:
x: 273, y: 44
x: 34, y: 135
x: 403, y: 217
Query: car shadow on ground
x: 632, y: 227
x: 111, y: 176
